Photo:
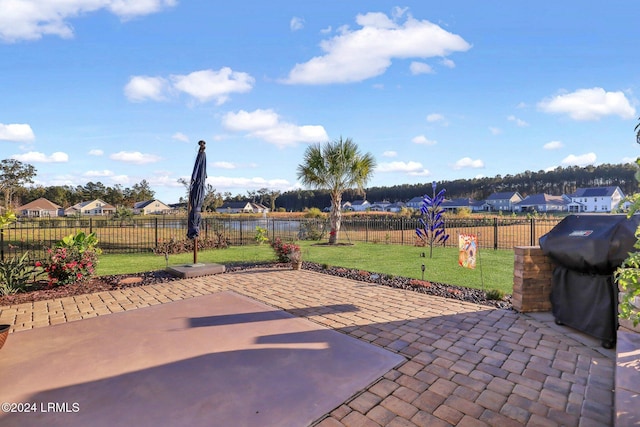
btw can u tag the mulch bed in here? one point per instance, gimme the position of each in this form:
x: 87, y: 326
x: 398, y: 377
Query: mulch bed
x: 41, y: 291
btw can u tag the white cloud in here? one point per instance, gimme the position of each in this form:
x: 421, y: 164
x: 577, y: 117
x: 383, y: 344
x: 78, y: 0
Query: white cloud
x: 224, y: 165
x: 326, y: 30
x: 436, y: 118
x: 96, y: 152
x: 553, y: 145
x: 33, y: 19
x: 165, y: 179
x: 448, y: 63
x: 250, y: 121
x: 203, y: 85
x: 222, y: 183
x: 206, y: 85
x: 422, y: 140
x: 629, y: 160
x: 16, y: 132
x: 420, y: 68
x: 410, y: 168
x: 495, y: 131
x: 98, y: 173
x: 266, y: 125
x: 353, y: 56
x: 579, y: 160
x: 468, y: 163
x: 390, y: 154
x: 589, y: 104
x: 179, y: 136
x: 142, y: 88
x: 517, y: 121
x: 36, y: 157
x: 135, y: 157
x: 400, y: 167
x: 120, y: 179
x: 296, y: 23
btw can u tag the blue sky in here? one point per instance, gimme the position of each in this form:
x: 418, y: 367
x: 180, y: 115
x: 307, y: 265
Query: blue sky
x: 118, y: 91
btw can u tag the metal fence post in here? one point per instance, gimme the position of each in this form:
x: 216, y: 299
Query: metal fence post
x: 366, y: 230
x: 495, y: 233
x: 90, y: 225
x: 156, y: 221
x: 533, y: 231
x: 2, y: 244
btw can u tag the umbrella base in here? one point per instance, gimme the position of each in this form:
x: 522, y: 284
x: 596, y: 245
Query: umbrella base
x: 185, y: 271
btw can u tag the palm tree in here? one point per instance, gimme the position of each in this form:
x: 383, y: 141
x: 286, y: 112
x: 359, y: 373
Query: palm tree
x: 336, y: 166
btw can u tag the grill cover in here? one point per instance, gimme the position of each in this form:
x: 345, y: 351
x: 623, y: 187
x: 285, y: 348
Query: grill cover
x: 596, y: 244
x: 587, y: 250
x: 586, y: 302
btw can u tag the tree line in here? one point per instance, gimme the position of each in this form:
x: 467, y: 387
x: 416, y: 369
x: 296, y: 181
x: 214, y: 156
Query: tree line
x: 562, y: 180
x: 15, y: 178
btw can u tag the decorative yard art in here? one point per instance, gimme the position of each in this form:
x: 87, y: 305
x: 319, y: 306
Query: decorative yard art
x: 468, y: 250
x: 432, y: 226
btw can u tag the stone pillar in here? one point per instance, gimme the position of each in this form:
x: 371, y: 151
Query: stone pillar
x: 532, y: 279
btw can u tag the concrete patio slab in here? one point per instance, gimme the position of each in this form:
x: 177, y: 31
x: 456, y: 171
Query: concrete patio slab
x: 217, y: 359
x: 466, y: 364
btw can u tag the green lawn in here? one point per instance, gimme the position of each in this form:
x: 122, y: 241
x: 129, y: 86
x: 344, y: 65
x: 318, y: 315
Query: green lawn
x: 494, y: 268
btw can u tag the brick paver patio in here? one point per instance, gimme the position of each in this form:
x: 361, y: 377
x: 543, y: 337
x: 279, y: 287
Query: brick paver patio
x: 467, y: 365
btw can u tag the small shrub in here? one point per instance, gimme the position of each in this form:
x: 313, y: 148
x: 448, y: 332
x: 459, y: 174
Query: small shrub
x: 494, y: 294
x: 16, y: 274
x: 464, y: 212
x: 310, y: 230
x: 313, y: 213
x: 173, y: 246
x: 261, y: 235
x: 325, y: 266
x: 283, y: 250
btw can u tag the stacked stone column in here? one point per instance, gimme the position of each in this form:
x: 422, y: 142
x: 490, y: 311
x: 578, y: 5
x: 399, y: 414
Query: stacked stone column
x: 532, y: 279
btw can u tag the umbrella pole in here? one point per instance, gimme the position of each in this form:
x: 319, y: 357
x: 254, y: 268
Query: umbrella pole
x: 195, y: 250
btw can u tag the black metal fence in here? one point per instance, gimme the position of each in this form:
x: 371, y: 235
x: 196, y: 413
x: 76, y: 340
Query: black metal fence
x: 145, y: 234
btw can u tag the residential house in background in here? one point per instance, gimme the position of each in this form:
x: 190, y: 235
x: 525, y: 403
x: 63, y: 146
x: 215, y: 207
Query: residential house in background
x: 395, y: 207
x: 454, y: 205
x: 360, y: 205
x: 93, y: 208
x: 543, y: 203
x: 259, y: 208
x: 596, y: 199
x: 378, y: 206
x: 415, y: 203
x: 152, y: 207
x: 242, y: 207
x: 40, y: 208
x: 235, y: 207
x: 504, y: 202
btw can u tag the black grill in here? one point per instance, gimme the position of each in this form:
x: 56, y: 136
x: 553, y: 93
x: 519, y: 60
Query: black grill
x: 587, y: 250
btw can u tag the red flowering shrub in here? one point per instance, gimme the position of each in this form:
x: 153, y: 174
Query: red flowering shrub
x: 72, y: 260
x: 64, y: 266
x: 284, y: 251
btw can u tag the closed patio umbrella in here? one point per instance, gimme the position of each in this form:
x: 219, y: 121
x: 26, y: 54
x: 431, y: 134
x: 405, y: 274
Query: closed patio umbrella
x: 196, y: 198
